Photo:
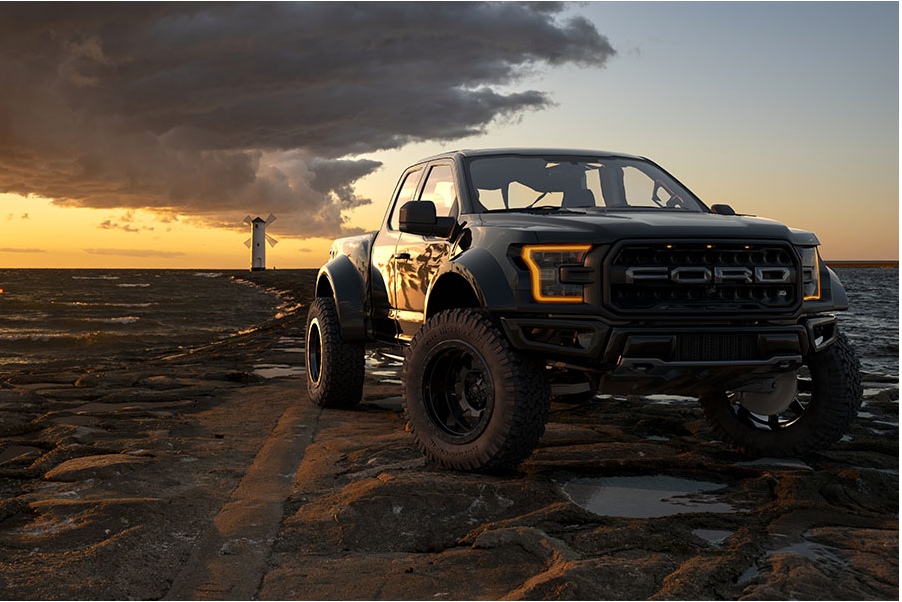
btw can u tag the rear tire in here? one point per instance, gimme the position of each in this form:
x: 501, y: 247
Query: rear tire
x: 835, y: 396
x: 471, y: 401
x: 335, y: 367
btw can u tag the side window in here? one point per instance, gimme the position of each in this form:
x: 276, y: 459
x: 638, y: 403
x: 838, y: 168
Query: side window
x: 439, y: 189
x: 405, y: 194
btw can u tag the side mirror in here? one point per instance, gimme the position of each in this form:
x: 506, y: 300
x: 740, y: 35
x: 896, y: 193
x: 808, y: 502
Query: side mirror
x: 723, y: 209
x: 418, y: 217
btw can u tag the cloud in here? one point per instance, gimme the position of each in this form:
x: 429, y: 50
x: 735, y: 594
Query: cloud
x: 111, y: 225
x: 20, y: 250
x: 134, y: 252
x: 213, y: 111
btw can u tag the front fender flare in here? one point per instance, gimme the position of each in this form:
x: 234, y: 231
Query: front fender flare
x: 348, y: 292
x: 482, y: 272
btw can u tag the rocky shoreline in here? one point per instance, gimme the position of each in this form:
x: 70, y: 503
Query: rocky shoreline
x: 206, y: 474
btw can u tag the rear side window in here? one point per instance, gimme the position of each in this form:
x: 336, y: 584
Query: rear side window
x: 408, y: 188
x: 439, y: 189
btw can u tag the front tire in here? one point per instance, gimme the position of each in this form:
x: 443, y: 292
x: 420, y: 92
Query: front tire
x: 335, y: 367
x: 471, y: 401
x: 818, y: 416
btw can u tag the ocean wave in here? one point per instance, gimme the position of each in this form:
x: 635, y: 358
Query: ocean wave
x: 122, y: 320
x: 60, y: 340
x: 95, y: 277
x: 133, y: 285
x: 208, y: 274
x: 85, y: 304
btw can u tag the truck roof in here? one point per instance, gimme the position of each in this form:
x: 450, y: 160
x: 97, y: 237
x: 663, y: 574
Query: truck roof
x: 483, y: 152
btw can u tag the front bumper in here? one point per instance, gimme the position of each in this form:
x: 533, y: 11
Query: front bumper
x: 634, y: 359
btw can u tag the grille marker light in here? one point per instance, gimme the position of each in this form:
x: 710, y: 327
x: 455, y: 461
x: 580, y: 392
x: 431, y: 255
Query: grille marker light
x: 535, y: 271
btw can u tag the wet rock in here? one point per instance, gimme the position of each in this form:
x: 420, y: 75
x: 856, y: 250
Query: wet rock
x: 106, y: 379
x: 19, y: 398
x: 140, y: 396
x: 11, y: 506
x: 16, y: 424
x: 19, y: 454
x: 241, y: 377
x: 94, y: 467
x: 161, y: 383
x: 413, y: 512
x: 69, y: 393
x: 99, y: 408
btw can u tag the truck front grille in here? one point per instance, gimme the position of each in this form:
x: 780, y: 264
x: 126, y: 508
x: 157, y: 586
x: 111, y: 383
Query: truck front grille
x: 695, y: 278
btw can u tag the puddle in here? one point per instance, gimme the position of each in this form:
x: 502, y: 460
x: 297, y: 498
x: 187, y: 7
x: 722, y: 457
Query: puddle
x: 294, y: 340
x: 277, y: 370
x: 656, y: 438
x: 669, y: 399
x: 645, y: 497
x: 780, y: 462
x: 813, y: 551
x: 715, y: 536
x: 291, y: 349
x: 870, y: 391
x: 383, y: 372
x: 373, y: 362
x: 748, y: 574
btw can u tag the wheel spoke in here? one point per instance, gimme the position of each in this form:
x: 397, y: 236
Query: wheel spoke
x: 457, y: 387
x: 796, y: 407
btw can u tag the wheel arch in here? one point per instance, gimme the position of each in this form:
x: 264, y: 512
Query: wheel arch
x: 473, y: 279
x: 340, y: 280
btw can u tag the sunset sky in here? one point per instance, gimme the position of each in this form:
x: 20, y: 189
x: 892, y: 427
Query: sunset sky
x: 142, y: 137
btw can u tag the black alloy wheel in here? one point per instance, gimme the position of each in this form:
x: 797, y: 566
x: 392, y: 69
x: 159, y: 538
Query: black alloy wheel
x: 458, y: 390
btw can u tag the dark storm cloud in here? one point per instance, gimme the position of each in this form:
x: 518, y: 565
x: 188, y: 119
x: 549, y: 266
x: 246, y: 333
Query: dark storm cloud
x: 214, y: 111
x: 134, y: 252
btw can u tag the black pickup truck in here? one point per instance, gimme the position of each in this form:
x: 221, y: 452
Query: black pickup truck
x: 506, y: 277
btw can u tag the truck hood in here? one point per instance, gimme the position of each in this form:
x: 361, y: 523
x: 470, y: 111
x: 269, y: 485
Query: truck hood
x: 613, y: 226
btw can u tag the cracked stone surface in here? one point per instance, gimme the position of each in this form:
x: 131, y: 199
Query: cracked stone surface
x: 186, y: 474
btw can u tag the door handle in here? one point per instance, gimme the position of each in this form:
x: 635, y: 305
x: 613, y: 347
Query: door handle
x: 403, y: 256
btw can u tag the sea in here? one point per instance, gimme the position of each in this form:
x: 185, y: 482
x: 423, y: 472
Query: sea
x: 76, y: 317
x: 65, y: 316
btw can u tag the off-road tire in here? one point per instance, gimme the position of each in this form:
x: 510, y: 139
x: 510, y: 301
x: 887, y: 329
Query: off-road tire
x: 521, y: 395
x: 341, y: 363
x: 835, y: 400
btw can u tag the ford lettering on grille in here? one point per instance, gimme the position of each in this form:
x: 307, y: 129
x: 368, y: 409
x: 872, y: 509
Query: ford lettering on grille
x: 698, y: 277
x: 702, y: 275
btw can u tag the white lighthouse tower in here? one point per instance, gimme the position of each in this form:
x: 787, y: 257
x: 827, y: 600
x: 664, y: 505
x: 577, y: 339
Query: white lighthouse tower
x: 257, y: 241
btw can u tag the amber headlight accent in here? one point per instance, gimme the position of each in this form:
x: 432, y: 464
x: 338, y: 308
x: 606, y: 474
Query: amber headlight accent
x: 544, y: 263
x: 811, y: 273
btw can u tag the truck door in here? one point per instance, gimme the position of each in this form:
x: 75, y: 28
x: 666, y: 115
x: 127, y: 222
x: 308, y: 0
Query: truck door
x: 383, y: 270
x: 418, y: 257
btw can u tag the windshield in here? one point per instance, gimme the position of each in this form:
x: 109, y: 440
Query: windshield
x: 548, y: 183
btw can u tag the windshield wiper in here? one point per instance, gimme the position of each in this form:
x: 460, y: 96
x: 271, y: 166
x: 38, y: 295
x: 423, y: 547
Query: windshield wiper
x: 538, y: 209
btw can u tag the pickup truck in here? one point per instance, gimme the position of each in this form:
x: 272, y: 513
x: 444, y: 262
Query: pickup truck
x: 505, y: 277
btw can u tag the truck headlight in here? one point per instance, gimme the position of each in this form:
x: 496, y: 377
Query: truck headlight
x: 811, y: 273
x: 544, y: 263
